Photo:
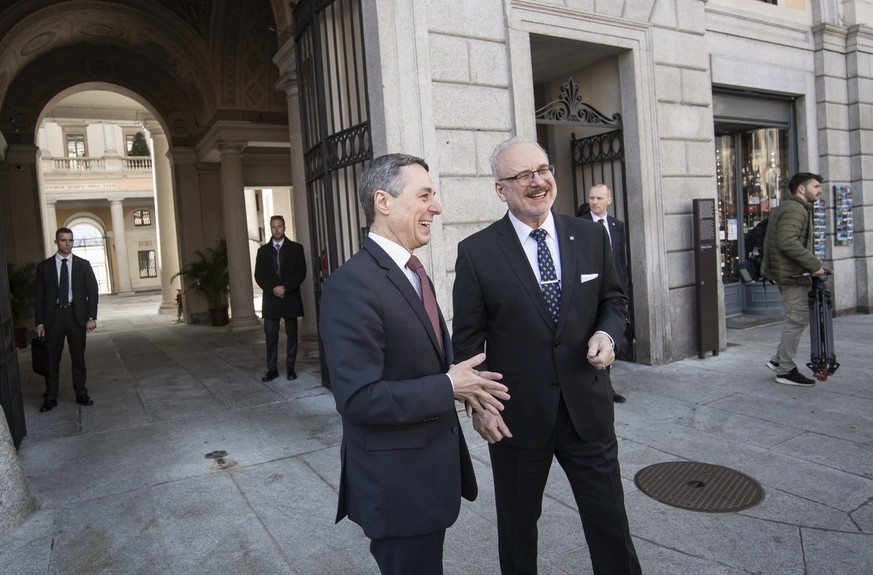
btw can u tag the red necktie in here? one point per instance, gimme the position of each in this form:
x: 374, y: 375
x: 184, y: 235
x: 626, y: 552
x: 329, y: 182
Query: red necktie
x: 428, y: 298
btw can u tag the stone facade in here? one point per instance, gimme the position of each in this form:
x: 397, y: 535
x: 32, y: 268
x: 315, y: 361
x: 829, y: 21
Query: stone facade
x: 476, y: 65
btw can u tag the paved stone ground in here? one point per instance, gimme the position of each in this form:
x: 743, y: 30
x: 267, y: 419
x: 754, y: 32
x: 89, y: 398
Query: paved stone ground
x: 124, y: 487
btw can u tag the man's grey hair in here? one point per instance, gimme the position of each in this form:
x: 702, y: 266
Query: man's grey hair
x: 505, y: 145
x: 383, y: 173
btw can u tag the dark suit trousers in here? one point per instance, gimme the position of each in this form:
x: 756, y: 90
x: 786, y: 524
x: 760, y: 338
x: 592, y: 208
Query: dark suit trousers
x: 422, y: 555
x: 271, y: 330
x: 64, y: 326
x: 520, y: 477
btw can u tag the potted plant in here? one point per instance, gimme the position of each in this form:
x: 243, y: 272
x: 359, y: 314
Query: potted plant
x: 21, y: 297
x: 208, y: 276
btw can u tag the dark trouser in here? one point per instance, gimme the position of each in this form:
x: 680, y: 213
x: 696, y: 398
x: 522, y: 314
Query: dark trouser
x: 421, y: 555
x: 64, y: 325
x: 271, y: 330
x: 592, y: 467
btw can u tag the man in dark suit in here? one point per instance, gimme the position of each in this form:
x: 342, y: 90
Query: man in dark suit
x: 280, y: 268
x: 405, y: 464
x: 65, y: 308
x: 540, y: 293
x: 599, y: 199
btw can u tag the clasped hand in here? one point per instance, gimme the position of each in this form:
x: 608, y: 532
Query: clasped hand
x: 600, y: 351
x: 479, y: 390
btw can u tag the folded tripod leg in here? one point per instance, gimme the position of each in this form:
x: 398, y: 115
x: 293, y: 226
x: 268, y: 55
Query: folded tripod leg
x: 823, y: 361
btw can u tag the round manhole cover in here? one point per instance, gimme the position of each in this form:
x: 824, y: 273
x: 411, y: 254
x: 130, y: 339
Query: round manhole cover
x: 699, y: 486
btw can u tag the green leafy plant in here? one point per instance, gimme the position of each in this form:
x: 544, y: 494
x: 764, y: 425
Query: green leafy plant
x: 139, y: 146
x: 208, y: 275
x: 21, y: 291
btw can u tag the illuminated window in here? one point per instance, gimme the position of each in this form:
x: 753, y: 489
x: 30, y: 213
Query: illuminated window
x: 148, y: 264
x: 75, y: 145
x: 142, y: 218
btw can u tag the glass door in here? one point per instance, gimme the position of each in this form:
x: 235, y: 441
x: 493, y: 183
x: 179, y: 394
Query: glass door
x: 752, y: 166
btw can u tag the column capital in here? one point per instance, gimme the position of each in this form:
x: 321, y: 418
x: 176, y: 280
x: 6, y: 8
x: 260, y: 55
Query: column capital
x: 231, y: 146
x: 288, y: 83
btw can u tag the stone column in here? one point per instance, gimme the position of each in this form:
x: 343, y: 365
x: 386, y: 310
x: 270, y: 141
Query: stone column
x: 859, y: 62
x: 122, y: 263
x: 21, y: 233
x: 286, y: 62
x: 15, y: 503
x: 168, y: 247
x: 50, y: 223
x: 239, y: 265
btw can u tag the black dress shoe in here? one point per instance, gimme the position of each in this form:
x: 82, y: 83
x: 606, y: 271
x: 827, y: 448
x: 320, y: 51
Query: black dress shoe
x: 271, y: 375
x: 292, y: 374
x: 48, y: 405
x: 84, y: 400
x: 616, y: 398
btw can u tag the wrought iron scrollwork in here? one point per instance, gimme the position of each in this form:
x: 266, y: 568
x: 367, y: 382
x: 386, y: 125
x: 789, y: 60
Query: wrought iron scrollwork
x: 600, y: 148
x: 570, y: 109
x: 351, y: 146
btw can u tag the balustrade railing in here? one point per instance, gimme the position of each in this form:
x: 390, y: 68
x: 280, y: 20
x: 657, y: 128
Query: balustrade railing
x: 79, y: 164
x: 137, y: 164
x: 126, y: 164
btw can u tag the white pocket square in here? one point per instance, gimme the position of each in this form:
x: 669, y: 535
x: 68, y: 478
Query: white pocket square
x: 588, y: 277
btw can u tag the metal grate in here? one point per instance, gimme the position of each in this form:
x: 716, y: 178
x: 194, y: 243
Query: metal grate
x: 699, y: 486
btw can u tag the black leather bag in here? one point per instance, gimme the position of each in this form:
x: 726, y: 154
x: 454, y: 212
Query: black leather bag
x: 40, y: 356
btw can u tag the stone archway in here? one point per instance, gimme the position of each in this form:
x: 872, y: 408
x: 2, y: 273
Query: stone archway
x: 89, y: 242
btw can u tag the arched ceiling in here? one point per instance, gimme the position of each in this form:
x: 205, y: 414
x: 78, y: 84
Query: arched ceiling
x: 194, y: 62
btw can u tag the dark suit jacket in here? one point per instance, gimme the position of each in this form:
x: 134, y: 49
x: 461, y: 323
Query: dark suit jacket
x: 84, y: 286
x: 292, y: 270
x: 405, y: 464
x: 499, y: 308
x: 619, y: 256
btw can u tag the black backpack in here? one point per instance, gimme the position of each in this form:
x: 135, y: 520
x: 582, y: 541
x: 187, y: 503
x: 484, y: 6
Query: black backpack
x: 750, y: 270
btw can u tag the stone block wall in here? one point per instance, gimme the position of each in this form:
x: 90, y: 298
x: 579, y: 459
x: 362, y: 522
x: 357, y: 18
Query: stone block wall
x: 475, y: 78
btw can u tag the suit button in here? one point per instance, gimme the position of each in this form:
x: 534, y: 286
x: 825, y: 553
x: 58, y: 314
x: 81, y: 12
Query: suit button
x: 557, y: 343
x: 555, y: 385
x: 455, y: 430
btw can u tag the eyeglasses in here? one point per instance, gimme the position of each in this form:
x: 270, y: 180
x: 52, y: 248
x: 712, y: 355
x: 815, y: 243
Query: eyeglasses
x: 526, y: 177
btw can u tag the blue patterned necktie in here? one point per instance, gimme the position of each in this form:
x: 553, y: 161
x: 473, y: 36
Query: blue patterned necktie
x: 278, y: 259
x: 548, y: 277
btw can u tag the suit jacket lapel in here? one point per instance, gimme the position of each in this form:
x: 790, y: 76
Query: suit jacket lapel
x: 403, y: 285
x: 569, y: 267
x: 74, y: 276
x: 613, y: 233
x: 519, y: 264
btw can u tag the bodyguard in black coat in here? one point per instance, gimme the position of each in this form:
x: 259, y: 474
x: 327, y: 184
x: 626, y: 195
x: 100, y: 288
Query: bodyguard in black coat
x: 280, y: 268
x: 599, y: 199
x: 67, y: 315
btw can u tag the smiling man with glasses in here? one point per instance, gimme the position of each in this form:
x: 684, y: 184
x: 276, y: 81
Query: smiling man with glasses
x: 540, y: 292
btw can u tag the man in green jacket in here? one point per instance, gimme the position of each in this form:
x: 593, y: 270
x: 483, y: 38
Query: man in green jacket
x: 788, y: 252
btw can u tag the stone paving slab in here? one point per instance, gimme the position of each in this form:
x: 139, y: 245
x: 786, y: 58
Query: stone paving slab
x: 123, y: 486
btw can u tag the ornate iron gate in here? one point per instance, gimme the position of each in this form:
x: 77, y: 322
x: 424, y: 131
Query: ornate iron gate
x: 11, y: 398
x: 334, y: 111
x: 599, y: 159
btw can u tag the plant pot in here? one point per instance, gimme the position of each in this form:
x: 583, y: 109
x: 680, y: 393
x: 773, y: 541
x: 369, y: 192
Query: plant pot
x: 218, y: 315
x: 21, y: 332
